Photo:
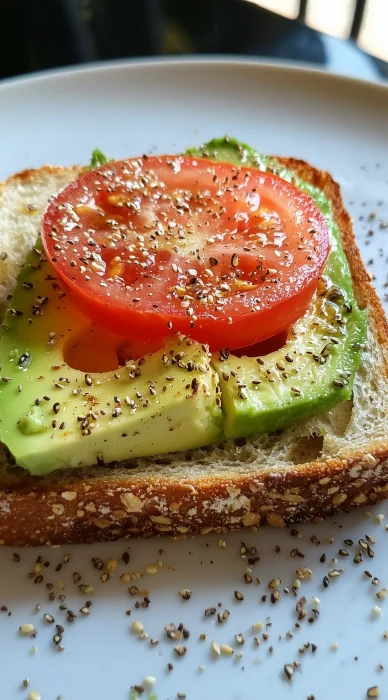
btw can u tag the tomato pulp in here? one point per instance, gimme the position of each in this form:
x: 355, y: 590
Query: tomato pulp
x: 150, y: 246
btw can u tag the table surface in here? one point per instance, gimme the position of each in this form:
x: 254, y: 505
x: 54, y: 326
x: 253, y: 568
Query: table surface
x: 44, y: 34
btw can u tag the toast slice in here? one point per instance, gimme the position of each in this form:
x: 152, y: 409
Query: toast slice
x: 327, y: 465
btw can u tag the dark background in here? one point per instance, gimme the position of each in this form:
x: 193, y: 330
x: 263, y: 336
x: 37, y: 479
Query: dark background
x: 39, y: 34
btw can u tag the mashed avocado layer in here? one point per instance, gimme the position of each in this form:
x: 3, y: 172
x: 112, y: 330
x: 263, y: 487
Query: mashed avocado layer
x: 54, y: 416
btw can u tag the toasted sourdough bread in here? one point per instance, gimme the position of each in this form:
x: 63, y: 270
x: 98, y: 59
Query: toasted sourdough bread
x: 329, y: 464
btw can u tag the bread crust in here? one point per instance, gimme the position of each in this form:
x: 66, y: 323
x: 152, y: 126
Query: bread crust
x: 106, y: 506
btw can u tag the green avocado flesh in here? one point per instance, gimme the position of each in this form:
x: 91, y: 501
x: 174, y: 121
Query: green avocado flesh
x: 54, y: 416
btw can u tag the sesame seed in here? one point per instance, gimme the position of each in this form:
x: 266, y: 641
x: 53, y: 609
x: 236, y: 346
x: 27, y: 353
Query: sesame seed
x: 382, y: 594
x: 149, y: 681
x: 258, y: 626
x: 274, y: 583
x: 226, y: 650
x: 151, y: 569
x: 111, y: 565
x: 137, y: 627
x: 216, y: 648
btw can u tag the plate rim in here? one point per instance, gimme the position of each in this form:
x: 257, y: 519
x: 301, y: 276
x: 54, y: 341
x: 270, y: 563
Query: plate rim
x: 275, y: 66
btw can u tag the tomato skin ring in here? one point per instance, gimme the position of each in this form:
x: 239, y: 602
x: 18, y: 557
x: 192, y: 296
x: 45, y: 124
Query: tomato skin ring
x: 254, y: 302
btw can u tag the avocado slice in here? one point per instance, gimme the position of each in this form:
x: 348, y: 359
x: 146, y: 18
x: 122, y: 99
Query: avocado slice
x: 310, y: 374
x: 54, y: 416
x: 314, y: 370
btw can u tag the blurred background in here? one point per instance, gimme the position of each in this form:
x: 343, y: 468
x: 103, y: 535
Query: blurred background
x: 345, y: 36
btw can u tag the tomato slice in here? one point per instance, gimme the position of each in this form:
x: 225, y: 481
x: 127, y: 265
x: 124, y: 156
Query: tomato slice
x: 155, y: 245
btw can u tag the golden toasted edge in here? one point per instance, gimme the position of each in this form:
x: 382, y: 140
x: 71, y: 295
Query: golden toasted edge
x: 64, y: 510
x: 32, y: 173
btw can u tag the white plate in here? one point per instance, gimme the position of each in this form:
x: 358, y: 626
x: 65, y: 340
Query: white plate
x: 128, y: 109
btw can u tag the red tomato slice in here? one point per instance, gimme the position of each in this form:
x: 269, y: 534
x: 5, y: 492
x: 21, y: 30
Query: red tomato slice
x: 229, y: 256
